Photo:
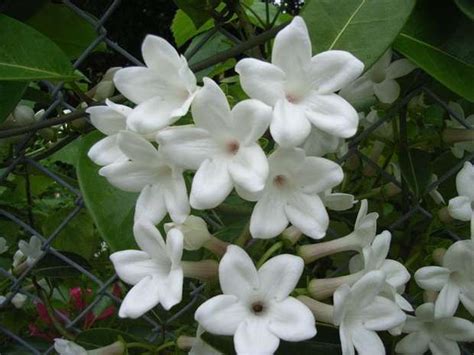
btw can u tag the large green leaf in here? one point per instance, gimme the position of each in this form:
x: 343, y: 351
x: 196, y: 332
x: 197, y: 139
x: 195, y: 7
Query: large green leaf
x: 197, y: 10
x: 10, y: 94
x: 444, y: 52
x: 416, y: 170
x: 466, y: 6
x: 111, y: 209
x: 366, y: 28
x: 68, y: 30
x: 26, y: 54
x: 183, y: 28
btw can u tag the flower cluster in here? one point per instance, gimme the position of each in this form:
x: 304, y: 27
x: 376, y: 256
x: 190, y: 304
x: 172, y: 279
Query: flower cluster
x: 298, y: 102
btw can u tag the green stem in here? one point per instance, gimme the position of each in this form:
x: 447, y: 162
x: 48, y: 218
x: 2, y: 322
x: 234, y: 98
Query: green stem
x: 244, y: 236
x: 164, y: 346
x: 141, y: 346
x: 274, y: 248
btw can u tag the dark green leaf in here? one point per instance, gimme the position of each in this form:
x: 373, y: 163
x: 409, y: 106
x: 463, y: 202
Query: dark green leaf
x: 99, y: 337
x: 197, y: 10
x: 416, y: 170
x: 26, y: 54
x: 184, y: 29
x: 111, y: 209
x: 466, y: 6
x: 53, y: 267
x: 10, y: 95
x: 67, y: 29
x: 257, y: 13
x: 366, y: 28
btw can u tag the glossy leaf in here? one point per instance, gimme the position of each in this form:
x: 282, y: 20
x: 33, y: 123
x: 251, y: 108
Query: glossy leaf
x: 99, y: 337
x: 197, y: 10
x: 183, y: 28
x: 111, y: 209
x: 26, y: 54
x: 366, y: 28
x: 10, y: 94
x: 466, y: 6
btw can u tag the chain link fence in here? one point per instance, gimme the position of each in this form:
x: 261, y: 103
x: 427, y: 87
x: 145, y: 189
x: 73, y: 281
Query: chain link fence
x: 21, y: 159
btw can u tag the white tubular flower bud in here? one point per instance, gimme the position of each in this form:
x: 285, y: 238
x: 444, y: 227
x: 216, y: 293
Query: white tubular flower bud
x: 204, y: 270
x: 321, y: 289
x: 19, y: 300
x: 291, y: 235
x: 322, y: 312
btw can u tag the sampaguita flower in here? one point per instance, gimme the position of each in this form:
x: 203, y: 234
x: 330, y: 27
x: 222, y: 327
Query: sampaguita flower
x: 154, y: 271
x: 291, y: 194
x: 360, y: 312
x: 439, y: 335
x: 379, y: 80
x: 110, y: 120
x: 31, y: 250
x: 462, y: 207
x: 256, y: 307
x: 163, y: 90
x: 222, y: 147
x: 454, y: 279
x: 300, y: 88
x: 161, y: 184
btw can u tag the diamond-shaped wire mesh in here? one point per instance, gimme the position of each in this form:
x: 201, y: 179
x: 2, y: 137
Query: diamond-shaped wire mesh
x: 24, y: 283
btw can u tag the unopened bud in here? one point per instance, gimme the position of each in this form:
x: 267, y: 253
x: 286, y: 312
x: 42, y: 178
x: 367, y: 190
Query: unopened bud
x: 444, y: 215
x: 291, y: 235
x: 185, y: 342
x: 438, y: 255
x: 204, y: 270
x: 456, y: 135
x: 430, y: 296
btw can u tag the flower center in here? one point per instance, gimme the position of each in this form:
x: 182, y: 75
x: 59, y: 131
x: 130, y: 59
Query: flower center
x: 377, y: 77
x: 232, y: 147
x: 280, y: 181
x: 257, y: 307
x: 292, y: 98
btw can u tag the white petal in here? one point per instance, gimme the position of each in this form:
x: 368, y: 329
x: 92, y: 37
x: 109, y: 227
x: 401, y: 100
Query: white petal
x: 347, y: 345
x: 332, y: 114
x: 360, y: 89
x: 467, y: 299
x: 176, y: 198
x: 379, y: 69
x: 250, y: 120
x: 460, y: 208
x: 380, y: 247
x: 249, y: 168
x: 133, y: 265
x: 129, y: 176
x: 457, y: 329
x: 137, y: 148
x: 424, y: 313
x: 465, y: 181
x: 149, y: 239
x: 460, y: 257
x: 291, y: 320
x: 221, y: 314
x: 366, y: 342
x: 396, y: 273
x: 211, y: 184
x: 289, y: 127
x: 260, y: 80
x: 414, y: 343
x: 174, y: 246
x: 382, y: 314
x: 332, y: 70
x: 448, y: 300
x: 138, y: 84
x: 443, y: 346
x: 308, y: 214
x: 211, y: 110
x: 320, y: 143
x: 338, y: 201
x: 432, y: 277
x: 280, y: 275
x: 364, y: 291
x: 318, y: 174
x: 160, y: 55
x: 141, y: 298
x: 399, y: 68
x: 387, y: 91
x: 268, y: 217
x: 286, y: 160
x: 106, y: 151
x: 186, y: 146
x: 150, y: 205
x: 237, y: 273
x: 107, y: 120
x: 171, y: 290
x: 254, y: 337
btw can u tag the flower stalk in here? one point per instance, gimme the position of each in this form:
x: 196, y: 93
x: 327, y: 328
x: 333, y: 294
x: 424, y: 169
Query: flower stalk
x: 203, y: 270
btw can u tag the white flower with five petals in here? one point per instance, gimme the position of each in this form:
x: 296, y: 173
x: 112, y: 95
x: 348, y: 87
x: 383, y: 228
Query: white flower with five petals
x: 300, y: 88
x: 163, y: 90
x: 154, y: 271
x: 222, y: 146
x: 256, y: 307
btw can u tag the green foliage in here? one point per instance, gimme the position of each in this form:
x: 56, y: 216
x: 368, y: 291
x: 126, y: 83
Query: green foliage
x: 466, y: 6
x: 197, y: 10
x: 26, y: 54
x: 416, y: 170
x: 98, y: 337
x: 366, y: 28
x: 54, y: 267
x: 10, y: 95
x: 111, y: 209
x: 184, y: 29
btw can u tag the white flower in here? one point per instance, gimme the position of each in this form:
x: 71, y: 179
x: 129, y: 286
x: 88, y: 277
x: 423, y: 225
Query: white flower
x: 161, y: 185
x: 455, y: 279
x: 66, y: 347
x: 163, y: 90
x: 459, y: 148
x: 31, y: 250
x: 3, y: 245
x: 462, y: 207
x: 379, y: 80
x: 360, y: 312
x: 222, y: 146
x: 110, y: 120
x: 256, y: 307
x: 320, y: 143
x: 291, y: 194
x: 435, y: 194
x: 338, y: 201
x: 194, y: 231
x: 105, y: 88
x: 18, y: 258
x: 439, y: 335
x: 300, y: 88
x: 200, y: 347
x: 19, y: 300
x: 155, y: 272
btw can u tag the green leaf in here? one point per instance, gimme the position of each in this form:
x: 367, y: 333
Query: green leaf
x: 111, y: 209
x: 416, y: 170
x: 444, y: 52
x: 258, y: 12
x: 466, y: 6
x: 366, y: 28
x: 26, y: 54
x: 184, y: 29
x: 98, y: 337
x: 53, y: 267
x: 68, y: 30
x: 197, y: 10
x: 10, y: 94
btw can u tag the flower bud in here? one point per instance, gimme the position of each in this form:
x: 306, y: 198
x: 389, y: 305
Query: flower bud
x: 322, y: 312
x: 320, y: 289
x: 204, y: 270
x: 194, y: 230
x: 291, y: 235
x: 456, y: 135
x: 23, y: 115
x: 19, y: 300
x: 438, y: 255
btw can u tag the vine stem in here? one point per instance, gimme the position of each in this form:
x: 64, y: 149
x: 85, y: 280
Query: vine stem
x: 274, y: 248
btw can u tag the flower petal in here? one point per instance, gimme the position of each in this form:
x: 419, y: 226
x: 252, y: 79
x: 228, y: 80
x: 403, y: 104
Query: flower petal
x: 237, y: 273
x: 341, y: 297
x: 160, y: 55
x: 286, y: 160
x: 358, y: 90
x: 289, y: 127
x: 280, y: 275
x: 129, y: 176
x: 396, y: 273
x: 364, y: 291
x: 176, y: 198
x: 399, y: 68
x: 366, y: 341
x: 108, y: 120
x: 332, y: 114
x: 460, y: 208
x: 171, y: 290
x: 211, y: 184
x: 443, y: 346
x: 337, y: 201
x: 382, y: 314
x: 268, y: 217
x: 460, y: 257
x: 308, y: 214
x: 133, y: 265
x: 318, y: 174
x: 347, y: 346
x: 249, y: 168
x: 291, y: 320
x: 221, y: 315
x: 149, y: 239
x: 448, y: 300
x: 387, y: 91
x: 137, y: 148
x: 141, y: 298
x: 106, y: 151
x: 320, y: 143
x: 174, y: 246
x: 250, y: 120
x: 432, y: 277
x: 465, y: 181
x: 332, y: 70
x: 414, y: 343
x: 457, y: 329
x: 261, y: 80
x: 254, y: 337
x: 150, y: 205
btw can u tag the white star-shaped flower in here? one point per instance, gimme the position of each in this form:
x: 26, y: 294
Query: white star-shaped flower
x: 31, y: 250
x: 300, y: 88
x: 154, y: 271
x: 256, y: 307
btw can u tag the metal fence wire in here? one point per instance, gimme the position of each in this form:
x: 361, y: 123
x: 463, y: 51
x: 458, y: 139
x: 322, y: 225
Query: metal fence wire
x: 411, y: 205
